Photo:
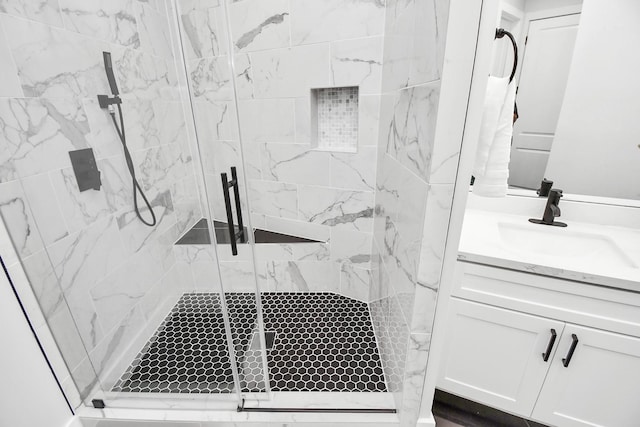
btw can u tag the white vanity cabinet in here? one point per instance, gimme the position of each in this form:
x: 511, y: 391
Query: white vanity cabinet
x: 503, y: 324
x: 599, y: 387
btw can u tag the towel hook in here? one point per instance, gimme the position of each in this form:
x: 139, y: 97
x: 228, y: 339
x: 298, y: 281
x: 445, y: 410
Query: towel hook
x: 500, y: 33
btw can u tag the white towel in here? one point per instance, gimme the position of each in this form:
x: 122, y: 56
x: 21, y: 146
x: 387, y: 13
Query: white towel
x: 491, y: 168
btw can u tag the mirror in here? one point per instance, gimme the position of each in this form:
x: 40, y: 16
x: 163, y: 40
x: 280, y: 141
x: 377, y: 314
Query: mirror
x: 578, y: 95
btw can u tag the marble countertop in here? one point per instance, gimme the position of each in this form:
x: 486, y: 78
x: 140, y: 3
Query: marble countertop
x: 491, y: 238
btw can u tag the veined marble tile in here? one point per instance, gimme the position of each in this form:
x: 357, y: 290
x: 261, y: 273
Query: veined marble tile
x: 159, y: 300
x: 215, y: 197
x: 355, y: 171
x: 358, y: 62
x: 154, y: 33
x: 39, y: 290
x: 267, y: 120
x: 355, y: 282
x: 244, y: 76
x: 273, y: 198
x: 291, y: 72
x: 259, y: 24
x: 426, y: 300
x: 425, y: 65
x: 134, y: 233
x: 55, y: 63
x: 102, y: 137
x: 45, y: 11
x: 62, y: 326
x: 380, y: 282
x: 303, y: 276
x: 415, y: 369
x: 274, y: 251
x: 37, y: 135
x: 34, y: 282
x: 411, y: 132
x: 85, y: 378
x: 9, y: 82
x: 313, y: 21
x: 116, y: 294
x: 368, y: 120
x: 215, y: 121
x: 412, y: 199
x: 170, y: 121
x: 204, y: 28
x: 311, y: 251
x: 44, y: 207
x: 113, y: 21
x: 195, y: 253
x: 81, y: 209
x: 219, y: 156
x: 434, y: 234
x: 210, y: 79
x: 303, y: 120
x: 105, y: 356
x: 295, y: 163
x: 398, y: 43
x: 19, y: 220
x: 141, y: 128
x: 337, y: 208
x: 397, y: 62
x: 80, y: 260
x: 186, y: 202
x: 143, y: 76
x: 352, y: 247
x: 237, y: 276
x: 442, y: 22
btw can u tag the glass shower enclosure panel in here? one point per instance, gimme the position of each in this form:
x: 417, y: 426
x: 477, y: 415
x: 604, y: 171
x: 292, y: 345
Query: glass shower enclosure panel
x: 212, y: 85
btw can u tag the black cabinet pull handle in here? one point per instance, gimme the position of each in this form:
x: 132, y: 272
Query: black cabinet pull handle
x: 574, y: 344
x: 552, y: 341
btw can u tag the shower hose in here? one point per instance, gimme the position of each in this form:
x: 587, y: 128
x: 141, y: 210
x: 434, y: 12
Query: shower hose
x: 132, y: 171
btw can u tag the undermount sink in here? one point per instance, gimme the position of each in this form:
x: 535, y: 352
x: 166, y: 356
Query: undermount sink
x: 554, y: 242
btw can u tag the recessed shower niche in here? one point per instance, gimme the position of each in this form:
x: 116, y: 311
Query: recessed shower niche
x: 334, y: 119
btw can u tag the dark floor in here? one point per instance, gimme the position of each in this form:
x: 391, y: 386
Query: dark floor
x: 316, y: 342
x: 453, y: 411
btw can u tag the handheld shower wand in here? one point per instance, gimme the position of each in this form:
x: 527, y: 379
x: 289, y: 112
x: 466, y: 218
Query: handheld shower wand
x: 108, y: 102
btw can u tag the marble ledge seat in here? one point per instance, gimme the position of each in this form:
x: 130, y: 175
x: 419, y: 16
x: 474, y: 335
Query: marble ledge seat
x: 199, y: 235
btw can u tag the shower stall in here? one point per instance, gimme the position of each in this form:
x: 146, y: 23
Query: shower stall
x: 286, y: 150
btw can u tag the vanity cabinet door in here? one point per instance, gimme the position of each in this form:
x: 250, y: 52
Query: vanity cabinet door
x: 495, y: 356
x: 599, y: 387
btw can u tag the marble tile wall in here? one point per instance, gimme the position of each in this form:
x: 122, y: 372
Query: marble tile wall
x: 99, y: 275
x: 414, y: 188
x: 281, y: 50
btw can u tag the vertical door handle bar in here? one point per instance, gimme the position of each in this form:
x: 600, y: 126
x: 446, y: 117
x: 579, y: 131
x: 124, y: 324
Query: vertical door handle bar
x: 552, y: 341
x: 227, y: 204
x: 574, y: 344
x: 236, y: 194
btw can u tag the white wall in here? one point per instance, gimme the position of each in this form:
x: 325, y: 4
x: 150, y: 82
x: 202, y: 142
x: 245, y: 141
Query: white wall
x: 30, y: 395
x: 596, y: 149
x: 540, y: 5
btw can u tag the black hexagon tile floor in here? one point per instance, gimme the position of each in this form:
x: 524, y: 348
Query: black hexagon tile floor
x: 315, y: 342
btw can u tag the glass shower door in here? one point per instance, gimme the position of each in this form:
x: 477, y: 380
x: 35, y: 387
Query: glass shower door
x: 210, y: 76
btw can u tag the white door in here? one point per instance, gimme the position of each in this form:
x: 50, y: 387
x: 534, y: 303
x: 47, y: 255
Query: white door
x: 599, y: 387
x: 495, y: 356
x: 545, y: 68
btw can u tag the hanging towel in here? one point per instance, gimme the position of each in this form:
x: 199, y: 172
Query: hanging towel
x: 491, y: 169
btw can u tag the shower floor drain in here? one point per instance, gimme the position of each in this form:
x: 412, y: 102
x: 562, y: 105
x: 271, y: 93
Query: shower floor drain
x: 314, y: 341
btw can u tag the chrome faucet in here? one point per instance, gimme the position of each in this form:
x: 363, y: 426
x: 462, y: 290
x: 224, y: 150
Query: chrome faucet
x: 551, y: 211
